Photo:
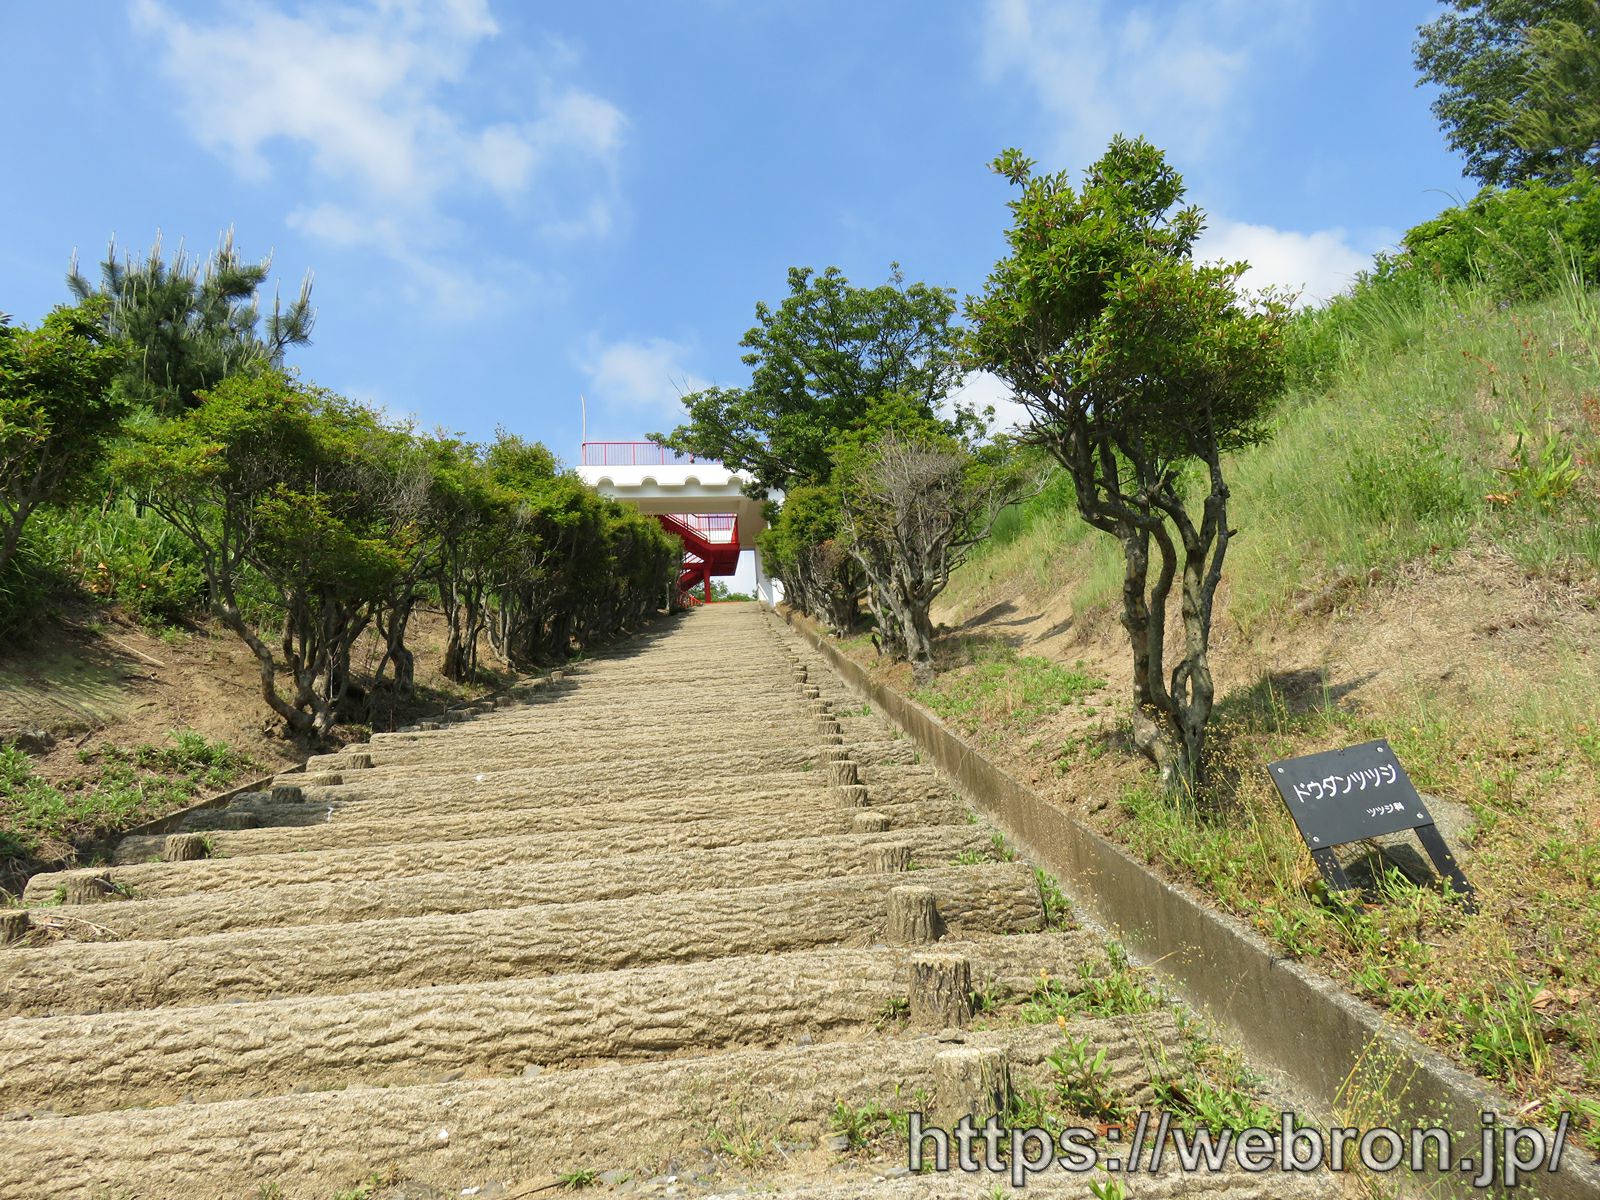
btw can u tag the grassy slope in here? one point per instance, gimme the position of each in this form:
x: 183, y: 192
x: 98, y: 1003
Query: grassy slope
x: 1404, y: 571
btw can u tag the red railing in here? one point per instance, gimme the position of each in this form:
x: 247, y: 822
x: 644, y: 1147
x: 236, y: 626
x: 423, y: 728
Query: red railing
x: 711, y: 529
x: 635, y: 454
x: 714, y: 528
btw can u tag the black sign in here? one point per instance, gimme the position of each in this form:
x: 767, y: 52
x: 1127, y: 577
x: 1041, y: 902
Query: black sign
x: 1345, y: 795
x: 1359, y: 792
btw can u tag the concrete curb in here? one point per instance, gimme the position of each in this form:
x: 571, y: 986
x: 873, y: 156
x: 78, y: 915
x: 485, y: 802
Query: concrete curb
x: 1289, y: 1019
x: 172, y: 820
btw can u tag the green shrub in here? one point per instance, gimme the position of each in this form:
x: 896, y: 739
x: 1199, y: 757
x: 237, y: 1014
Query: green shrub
x: 126, y: 554
x: 24, y: 585
x: 1510, y: 244
x: 1515, y: 240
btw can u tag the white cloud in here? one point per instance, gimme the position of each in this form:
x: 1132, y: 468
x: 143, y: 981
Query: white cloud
x: 451, y: 290
x: 370, y: 110
x: 639, y: 381
x: 1317, y: 265
x: 981, y: 389
x: 1099, y: 67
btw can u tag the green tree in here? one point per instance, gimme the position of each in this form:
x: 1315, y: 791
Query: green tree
x: 1504, y: 70
x: 1557, y: 118
x: 533, y: 561
x: 259, y: 479
x: 1140, y: 370
x: 192, y: 323
x: 819, y: 363
x: 58, y: 411
x: 803, y: 549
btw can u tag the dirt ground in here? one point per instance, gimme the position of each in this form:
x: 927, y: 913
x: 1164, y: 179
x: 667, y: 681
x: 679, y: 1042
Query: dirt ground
x: 1473, y: 621
x: 90, y: 677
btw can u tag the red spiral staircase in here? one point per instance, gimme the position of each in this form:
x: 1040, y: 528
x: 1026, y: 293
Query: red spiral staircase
x: 710, y: 549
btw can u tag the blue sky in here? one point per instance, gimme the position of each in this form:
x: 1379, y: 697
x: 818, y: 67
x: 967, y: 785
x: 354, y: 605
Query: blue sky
x: 507, y: 205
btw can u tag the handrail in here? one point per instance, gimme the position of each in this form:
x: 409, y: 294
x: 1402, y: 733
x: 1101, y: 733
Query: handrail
x: 714, y: 529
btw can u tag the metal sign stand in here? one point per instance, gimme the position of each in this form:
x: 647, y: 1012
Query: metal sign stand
x: 1360, y: 792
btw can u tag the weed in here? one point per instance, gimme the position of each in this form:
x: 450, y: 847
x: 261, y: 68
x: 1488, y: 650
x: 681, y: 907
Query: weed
x: 120, y: 787
x: 1083, y: 1081
x: 1503, y: 1039
x: 895, y: 1008
x: 1120, y: 990
x: 988, y: 996
x: 1196, y: 1101
x: 374, y: 1183
x: 1002, y: 692
x: 1544, y: 477
x: 900, y: 1115
x: 998, y: 852
x: 860, y: 1126
x: 1088, y: 746
x: 1030, y: 1107
x: 737, y: 1137
x: 1057, y: 908
x: 574, y: 1181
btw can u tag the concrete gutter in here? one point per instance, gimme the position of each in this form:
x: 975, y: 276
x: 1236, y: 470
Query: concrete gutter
x: 174, y: 819
x: 1343, y: 1054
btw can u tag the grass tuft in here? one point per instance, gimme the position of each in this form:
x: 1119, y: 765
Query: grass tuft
x: 118, y: 788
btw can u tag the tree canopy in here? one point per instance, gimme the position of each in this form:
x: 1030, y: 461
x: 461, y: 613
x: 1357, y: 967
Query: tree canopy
x: 821, y: 363
x: 1139, y: 368
x: 192, y: 323
x: 57, y: 410
x: 314, y: 519
x: 1519, y: 84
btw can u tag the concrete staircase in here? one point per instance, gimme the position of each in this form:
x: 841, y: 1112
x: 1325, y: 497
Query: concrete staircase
x: 684, y: 920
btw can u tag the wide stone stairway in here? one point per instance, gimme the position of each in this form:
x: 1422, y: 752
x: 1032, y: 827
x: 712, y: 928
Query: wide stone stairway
x: 686, y: 919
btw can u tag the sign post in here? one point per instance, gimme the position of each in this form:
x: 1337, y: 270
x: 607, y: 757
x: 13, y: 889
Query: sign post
x: 1359, y: 792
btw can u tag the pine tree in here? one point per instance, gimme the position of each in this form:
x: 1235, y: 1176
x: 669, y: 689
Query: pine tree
x: 191, y: 323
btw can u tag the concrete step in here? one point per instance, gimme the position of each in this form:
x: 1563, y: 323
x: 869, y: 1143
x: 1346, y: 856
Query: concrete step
x: 387, y: 796
x: 384, y: 1039
x: 575, y: 821
x: 454, y: 1136
x: 416, y: 854
x: 477, y: 888
x: 86, y: 977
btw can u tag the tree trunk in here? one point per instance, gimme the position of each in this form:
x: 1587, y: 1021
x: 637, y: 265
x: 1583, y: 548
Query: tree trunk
x: 1153, y: 731
x: 298, y: 722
